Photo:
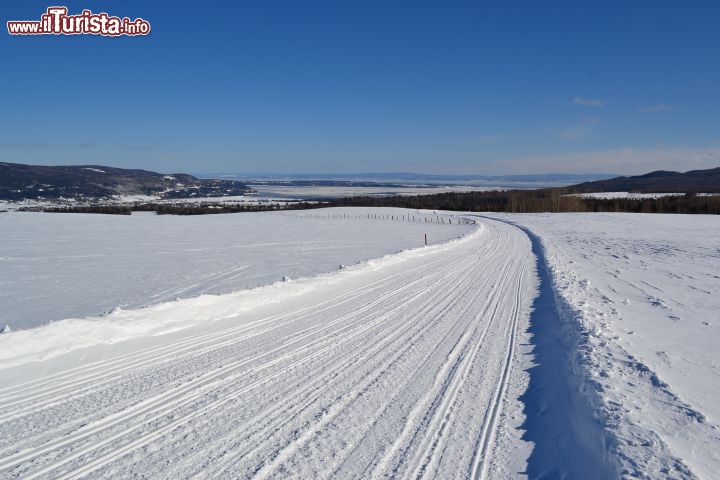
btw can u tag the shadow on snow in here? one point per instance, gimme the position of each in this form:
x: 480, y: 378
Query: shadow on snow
x: 568, y: 438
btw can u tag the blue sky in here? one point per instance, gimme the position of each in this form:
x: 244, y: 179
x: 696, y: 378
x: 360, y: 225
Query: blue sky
x: 370, y: 86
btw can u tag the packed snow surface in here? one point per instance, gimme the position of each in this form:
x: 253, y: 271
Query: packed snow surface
x: 56, y: 266
x: 400, y: 367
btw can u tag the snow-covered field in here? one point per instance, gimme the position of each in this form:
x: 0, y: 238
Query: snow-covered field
x: 540, y: 346
x: 395, y: 367
x: 56, y: 266
x: 642, y: 293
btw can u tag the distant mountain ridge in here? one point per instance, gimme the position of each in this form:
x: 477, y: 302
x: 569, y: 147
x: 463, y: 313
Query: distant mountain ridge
x: 19, y: 182
x: 393, y: 178
x: 660, y: 181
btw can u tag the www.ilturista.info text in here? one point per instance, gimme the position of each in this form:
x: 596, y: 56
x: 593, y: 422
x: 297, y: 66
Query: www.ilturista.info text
x: 57, y: 22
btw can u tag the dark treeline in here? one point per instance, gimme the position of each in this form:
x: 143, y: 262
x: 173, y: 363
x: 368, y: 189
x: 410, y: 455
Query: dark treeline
x: 204, y: 209
x: 103, y: 209
x: 537, y: 201
x: 174, y: 209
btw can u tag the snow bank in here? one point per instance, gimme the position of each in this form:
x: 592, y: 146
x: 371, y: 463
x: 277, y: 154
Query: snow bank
x: 565, y: 420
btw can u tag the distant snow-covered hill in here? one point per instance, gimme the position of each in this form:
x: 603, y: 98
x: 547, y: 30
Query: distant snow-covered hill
x: 694, y: 181
x: 18, y: 182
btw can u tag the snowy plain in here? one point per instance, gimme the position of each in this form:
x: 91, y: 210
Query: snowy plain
x: 535, y: 346
x: 57, y: 266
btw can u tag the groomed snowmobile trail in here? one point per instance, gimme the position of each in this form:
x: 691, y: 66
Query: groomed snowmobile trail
x: 394, y: 369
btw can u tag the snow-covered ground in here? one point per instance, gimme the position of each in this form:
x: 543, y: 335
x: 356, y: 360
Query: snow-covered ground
x: 401, y: 367
x: 538, y: 346
x: 56, y: 266
x: 642, y: 292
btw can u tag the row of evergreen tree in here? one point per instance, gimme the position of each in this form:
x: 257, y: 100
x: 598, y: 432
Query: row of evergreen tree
x: 537, y: 201
x: 176, y: 209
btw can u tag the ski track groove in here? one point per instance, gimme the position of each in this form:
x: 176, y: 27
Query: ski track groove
x: 409, y: 338
x: 295, y: 446
x: 480, y: 462
x: 423, y: 419
x: 344, y: 366
x: 444, y: 414
x: 222, y: 399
